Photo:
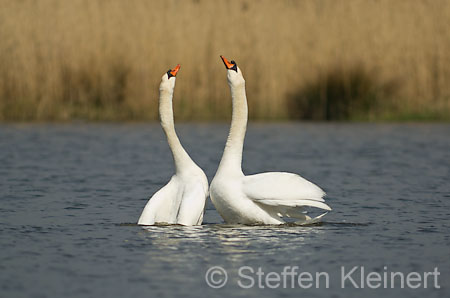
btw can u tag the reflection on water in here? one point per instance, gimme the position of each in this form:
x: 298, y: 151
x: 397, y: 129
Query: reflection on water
x: 233, y: 245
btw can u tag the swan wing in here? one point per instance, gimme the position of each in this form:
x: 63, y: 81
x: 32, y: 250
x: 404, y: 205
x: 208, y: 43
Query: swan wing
x: 161, y: 206
x: 283, y: 190
x: 192, y: 204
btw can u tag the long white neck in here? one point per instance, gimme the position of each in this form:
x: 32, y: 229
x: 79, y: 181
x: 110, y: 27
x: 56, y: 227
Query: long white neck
x: 232, y: 154
x: 180, y: 157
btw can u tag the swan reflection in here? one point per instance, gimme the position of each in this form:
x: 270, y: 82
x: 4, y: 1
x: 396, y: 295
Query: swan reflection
x: 175, y: 246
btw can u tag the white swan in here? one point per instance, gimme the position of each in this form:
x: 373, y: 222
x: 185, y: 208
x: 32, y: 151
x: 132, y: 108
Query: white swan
x: 262, y: 198
x: 182, y: 200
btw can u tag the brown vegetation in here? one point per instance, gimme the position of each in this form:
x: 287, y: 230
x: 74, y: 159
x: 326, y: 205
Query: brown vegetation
x: 103, y: 60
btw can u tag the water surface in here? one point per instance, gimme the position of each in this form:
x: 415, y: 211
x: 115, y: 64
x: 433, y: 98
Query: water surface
x: 70, y: 195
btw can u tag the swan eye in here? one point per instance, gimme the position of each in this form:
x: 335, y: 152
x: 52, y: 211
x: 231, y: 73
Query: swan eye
x: 169, y: 74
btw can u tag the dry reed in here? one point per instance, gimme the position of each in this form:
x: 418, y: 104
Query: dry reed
x: 103, y: 60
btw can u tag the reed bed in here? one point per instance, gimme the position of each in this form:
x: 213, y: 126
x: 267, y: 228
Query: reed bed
x: 103, y: 60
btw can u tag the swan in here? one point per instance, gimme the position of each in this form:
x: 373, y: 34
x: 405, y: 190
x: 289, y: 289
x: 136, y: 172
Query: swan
x: 261, y: 198
x: 182, y: 200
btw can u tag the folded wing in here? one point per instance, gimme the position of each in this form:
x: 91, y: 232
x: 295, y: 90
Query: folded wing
x: 283, y: 190
x: 193, y: 204
x: 160, y: 208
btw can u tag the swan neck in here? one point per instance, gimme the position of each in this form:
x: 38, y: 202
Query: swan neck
x: 232, y: 156
x: 181, y: 158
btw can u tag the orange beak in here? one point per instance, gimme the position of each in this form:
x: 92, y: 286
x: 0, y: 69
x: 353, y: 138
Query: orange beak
x: 174, y: 71
x: 227, y: 63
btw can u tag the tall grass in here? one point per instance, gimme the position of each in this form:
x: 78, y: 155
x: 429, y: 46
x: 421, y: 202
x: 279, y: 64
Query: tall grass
x: 103, y: 60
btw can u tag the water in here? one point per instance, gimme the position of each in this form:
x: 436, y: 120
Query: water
x: 69, y: 195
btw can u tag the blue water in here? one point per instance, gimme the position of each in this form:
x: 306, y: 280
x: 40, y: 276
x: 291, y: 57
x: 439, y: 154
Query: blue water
x: 70, y: 195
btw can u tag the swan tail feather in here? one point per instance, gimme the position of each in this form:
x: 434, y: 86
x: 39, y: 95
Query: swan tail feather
x: 310, y: 220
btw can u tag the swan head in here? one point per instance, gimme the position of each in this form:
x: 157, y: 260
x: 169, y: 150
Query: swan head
x: 234, y: 73
x: 169, y: 78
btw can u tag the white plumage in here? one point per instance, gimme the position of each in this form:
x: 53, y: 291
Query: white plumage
x: 182, y: 200
x: 262, y: 198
